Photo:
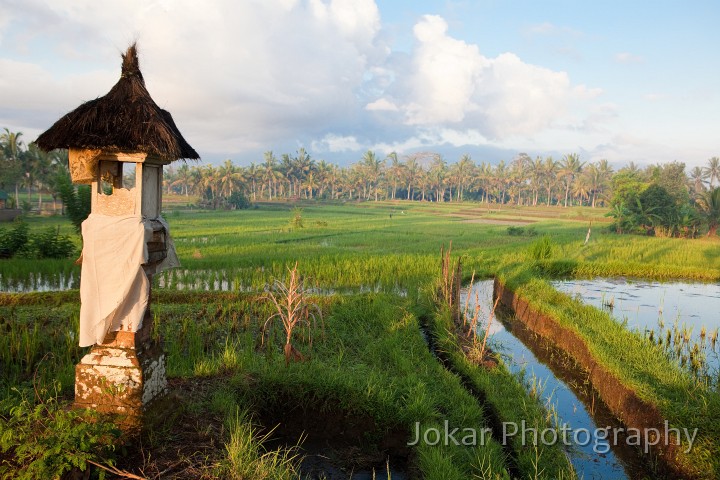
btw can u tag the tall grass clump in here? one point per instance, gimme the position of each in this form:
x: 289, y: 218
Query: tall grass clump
x: 450, y: 281
x: 247, y: 457
x: 542, y: 249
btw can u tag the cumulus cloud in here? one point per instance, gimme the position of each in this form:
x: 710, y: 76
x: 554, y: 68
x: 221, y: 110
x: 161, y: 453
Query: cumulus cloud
x: 256, y: 75
x: 451, y: 84
x: 234, y: 74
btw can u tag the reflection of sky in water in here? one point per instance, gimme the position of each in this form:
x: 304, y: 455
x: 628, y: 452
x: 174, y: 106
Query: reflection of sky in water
x: 646, y: 305
x: 570, y: 409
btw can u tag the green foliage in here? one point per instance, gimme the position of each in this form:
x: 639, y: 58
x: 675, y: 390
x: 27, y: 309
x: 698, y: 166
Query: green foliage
x: 77, y: 201
x: 297, y: 219
x: 521, y: 231
x: 45, y: 440
x: 709, y: 205
x: 50, y: 244
x: 238, y: 201
x: 25, y: 206
x: 45, y: 244
x: 671, y: 177
x: 248, y: 458
x: 542, y: 248
x: 13, y: 241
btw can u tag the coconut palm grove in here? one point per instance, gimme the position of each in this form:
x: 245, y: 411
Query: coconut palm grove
x: 662, y: 200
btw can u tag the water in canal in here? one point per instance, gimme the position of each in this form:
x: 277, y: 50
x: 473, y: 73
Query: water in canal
x: 684, y: 318
x: 560, y: 382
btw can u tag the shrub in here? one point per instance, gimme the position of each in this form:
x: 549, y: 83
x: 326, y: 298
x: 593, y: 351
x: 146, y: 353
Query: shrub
x: 297, y: 219
x: 239, y: 201
x: 46, y: 440
x: 76, y: 200
x: 13, y: 241
x: 521, y: 231
x: 26, y: 207
x: 50, y: 244
x: 46, y: 244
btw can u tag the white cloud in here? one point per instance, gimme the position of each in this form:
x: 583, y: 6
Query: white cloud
x: 234, y: 75
x: 382, y: 104
x: 250, y: 76
x: 451, y: 84
x: 628, y: 58
x: 336, y: 143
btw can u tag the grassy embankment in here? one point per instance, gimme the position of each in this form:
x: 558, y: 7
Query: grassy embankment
x: 368, y: 368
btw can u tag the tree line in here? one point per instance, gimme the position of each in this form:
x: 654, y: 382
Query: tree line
x: 678, y: 204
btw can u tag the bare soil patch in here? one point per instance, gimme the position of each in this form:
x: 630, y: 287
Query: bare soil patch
x: 499, y: 221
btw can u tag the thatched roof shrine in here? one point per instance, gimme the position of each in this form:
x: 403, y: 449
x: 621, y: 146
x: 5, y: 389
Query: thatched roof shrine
x: 125, y: 120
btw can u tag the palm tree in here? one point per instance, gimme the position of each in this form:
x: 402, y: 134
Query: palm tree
x: 605, y: 176
x: 310, y: 184
x: 253, y: 174
x: 372, y: 166
x: 412, y: 172
x: 269, y: 173
x: 395, y: 172
x: 712, y: 170
x: 460, y: 174
x: 570, y: 168
x: 228, y: 177
x: 287, y: 168
x: 582, y: 188
x: 698, y: 178
x: 302, y: 166
x: 550, y: 170
x: 323, y: 173
x: 709, y: 205
x: 483, y: 176
x: 436, y: 176
x: 183, y: 178
x: 37, y: 168
x: 11, y: 145
x: 518, y: 177
x: 592, y: 179
x: 535, y: 175
x: 499, y: 181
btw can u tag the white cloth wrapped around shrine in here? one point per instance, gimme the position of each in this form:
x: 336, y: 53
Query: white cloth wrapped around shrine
x: 114, y: 288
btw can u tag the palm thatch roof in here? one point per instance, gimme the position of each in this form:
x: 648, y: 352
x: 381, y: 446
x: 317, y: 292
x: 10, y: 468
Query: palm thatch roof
x: 125, y: 120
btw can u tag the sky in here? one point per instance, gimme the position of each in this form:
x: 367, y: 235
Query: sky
x: 618, y: 80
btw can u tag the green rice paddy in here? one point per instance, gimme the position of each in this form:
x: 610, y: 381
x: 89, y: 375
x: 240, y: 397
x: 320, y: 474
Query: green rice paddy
x: 373, y: 265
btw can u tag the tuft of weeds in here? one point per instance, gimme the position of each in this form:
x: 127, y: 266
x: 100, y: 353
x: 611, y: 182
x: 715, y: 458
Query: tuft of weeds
x: 293, y: 310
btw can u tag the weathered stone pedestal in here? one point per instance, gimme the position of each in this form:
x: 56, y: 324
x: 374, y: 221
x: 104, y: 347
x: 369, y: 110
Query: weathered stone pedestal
x: 118, y: 380
x: 122, y: 375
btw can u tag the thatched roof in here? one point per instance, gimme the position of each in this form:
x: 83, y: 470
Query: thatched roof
x: 125, y: 120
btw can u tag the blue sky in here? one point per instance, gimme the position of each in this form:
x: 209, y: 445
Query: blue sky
x: 625, y: 81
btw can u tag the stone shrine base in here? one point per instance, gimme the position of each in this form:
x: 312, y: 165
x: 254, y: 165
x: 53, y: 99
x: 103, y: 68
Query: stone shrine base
x: 124, y: 381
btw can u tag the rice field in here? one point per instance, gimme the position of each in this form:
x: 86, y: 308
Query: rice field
x: 372, y: 267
